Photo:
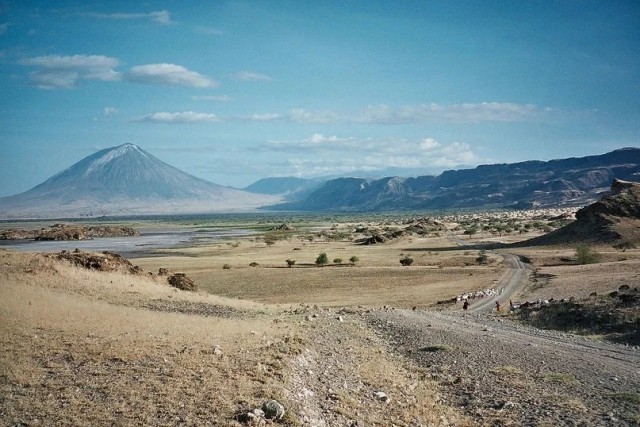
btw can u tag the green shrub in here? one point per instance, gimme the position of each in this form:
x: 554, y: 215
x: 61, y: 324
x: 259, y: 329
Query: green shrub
x: 322, y: 259
x: 586, y: 255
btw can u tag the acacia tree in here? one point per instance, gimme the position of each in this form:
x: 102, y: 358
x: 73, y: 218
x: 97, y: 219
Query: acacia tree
x: 291, y: 262
x: 322, y: 259
x: 353, y: 260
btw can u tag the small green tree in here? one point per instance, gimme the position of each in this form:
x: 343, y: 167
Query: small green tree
x: 482, y: 257
x: 337, y: 261
x: 586, y: 255
x: 406, y: 261
x: 291, y: 262
x: 353, y: 260
x: 322, y: 259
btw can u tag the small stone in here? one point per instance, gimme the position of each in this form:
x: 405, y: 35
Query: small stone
x: 381, y: 396
x: 340, y: 319
x: 273, y: 409
x: 217, y: 351
x: 258, y: 412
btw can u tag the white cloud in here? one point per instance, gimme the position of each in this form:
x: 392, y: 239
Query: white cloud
x: 168, y: 74
x: 160, y: 16
x: 453, y: 113
x: 250, y: 76
x: 57, y: 71
x: 221, y: 98
x: 110, y: 111
x: 315, y: 143
x: 369, y: 155
x: 429, y: 144
x: 180, y: 117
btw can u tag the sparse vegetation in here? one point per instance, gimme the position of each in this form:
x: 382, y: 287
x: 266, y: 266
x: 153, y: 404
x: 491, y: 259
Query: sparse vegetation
x: 253, y: 264
x: 337, y: 260
x: 482, y: 257
x: 585, y: 254
x: 290, y: 262
x: 226, y: 266
x: 624, y: 245
x: 558, y: 377
x: 353, y: 260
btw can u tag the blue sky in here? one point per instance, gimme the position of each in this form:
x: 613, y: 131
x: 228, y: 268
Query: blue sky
x: 233, y: 91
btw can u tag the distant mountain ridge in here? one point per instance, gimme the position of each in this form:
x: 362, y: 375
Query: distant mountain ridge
x: 125, y: 180
x: 563, y: 182
x: 290, y: 188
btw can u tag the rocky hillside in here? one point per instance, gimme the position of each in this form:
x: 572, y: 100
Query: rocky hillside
x: 615, y: 217
x: 531, y: 184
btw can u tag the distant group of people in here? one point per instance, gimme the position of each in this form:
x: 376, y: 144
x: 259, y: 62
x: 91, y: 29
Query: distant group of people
x: 465, y: 305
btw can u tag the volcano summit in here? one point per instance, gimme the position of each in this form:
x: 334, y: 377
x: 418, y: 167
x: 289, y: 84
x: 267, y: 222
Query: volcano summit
x: 126, y: 180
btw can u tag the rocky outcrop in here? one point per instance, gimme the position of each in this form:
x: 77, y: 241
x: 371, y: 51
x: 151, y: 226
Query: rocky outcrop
x: 182, y: 282
x: 68, y: 232
x: 615, y: 217
x: 103, y: 261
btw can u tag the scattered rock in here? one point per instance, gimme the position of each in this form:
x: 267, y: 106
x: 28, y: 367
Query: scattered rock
x: 273, y: 410
x: 182, y: 282
x: 381, y: 396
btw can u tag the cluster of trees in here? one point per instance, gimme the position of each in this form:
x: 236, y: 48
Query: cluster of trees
x: 323, y: 259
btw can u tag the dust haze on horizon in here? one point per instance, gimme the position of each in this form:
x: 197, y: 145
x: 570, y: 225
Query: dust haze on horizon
x: 235, y: 91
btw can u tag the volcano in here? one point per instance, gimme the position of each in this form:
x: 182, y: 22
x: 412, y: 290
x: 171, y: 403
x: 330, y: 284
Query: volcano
x: 126, y: 180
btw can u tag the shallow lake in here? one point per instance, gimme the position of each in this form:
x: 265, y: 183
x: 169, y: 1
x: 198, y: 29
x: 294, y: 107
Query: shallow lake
x: 149, y: 240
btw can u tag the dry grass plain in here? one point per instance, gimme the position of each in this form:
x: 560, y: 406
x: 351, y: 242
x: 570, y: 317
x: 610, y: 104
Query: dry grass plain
x: 376, y: 279
x: 83, y: 347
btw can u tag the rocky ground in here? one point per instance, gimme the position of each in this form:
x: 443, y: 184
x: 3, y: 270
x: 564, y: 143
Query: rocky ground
x: 381, y: 366
x: 501, y: 373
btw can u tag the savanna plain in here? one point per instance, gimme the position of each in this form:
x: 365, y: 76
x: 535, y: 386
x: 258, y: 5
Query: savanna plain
x: 326, y: 320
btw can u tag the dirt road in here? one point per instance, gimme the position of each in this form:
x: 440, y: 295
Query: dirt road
x: 509, y: 284
x: 501, y: 373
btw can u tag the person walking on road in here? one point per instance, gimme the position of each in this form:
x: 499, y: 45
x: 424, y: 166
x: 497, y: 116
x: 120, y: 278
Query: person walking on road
x: 498, y: 306
x: 465, y: 306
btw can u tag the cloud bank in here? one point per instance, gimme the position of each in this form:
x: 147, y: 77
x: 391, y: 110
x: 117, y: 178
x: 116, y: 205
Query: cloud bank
x: 182, y: 117
x: 170, y: 75
x: 160, y: 16
x: 316, y: 155
x: 56, y: 71
x: 65, y: 71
